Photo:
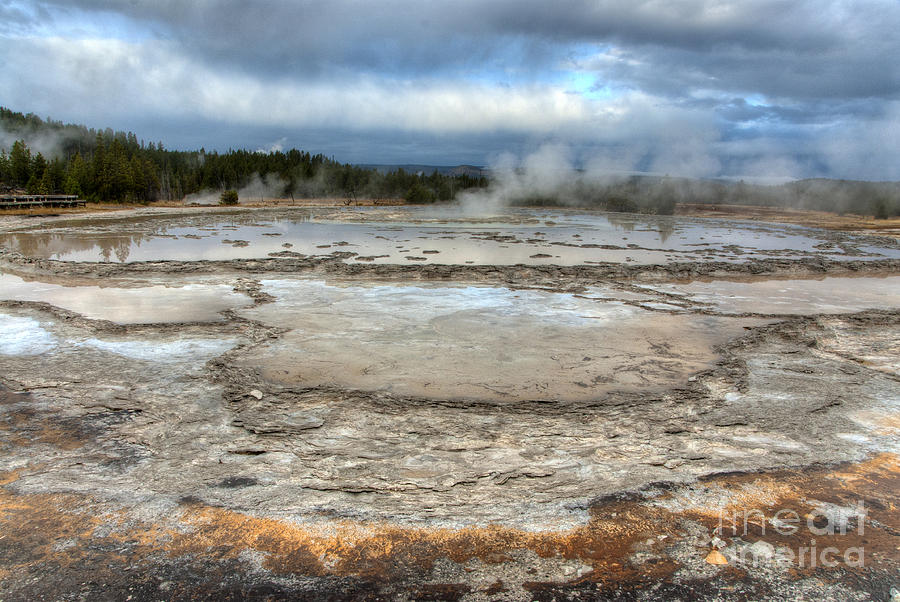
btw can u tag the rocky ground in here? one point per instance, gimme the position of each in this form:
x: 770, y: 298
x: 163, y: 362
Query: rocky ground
x: 205, y: 460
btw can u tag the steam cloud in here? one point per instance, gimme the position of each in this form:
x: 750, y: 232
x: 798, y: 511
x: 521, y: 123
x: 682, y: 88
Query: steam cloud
x: 550, y: 175
x: 257, y: 189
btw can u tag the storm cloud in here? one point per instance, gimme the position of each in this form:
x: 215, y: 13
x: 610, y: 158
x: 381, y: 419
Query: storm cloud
x: 756, y: 88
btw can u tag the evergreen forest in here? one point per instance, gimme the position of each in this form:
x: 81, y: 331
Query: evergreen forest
x: 114, y: 166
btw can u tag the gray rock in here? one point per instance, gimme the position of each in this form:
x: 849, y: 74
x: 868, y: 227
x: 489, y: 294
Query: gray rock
x: 762, y: 550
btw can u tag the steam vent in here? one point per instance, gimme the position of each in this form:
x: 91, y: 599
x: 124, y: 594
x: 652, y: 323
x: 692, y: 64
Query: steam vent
x: 435, y: 403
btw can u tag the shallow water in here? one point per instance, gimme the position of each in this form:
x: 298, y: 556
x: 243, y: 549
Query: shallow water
x: 190, y: 351
x: 794, y: 296
x: 425, y: 235
x: 476, y: 342
x: 22, y: 335
x: 184, y: 302
x: 27, y: 336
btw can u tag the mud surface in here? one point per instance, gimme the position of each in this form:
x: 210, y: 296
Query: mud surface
x: 326, y: 428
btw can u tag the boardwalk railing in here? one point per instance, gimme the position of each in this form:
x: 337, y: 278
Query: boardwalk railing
x: 28, y: 201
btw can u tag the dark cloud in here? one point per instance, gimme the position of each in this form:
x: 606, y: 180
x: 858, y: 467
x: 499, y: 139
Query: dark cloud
x: 840, y: 72
x: 789, y: 47
x: 725, y: 84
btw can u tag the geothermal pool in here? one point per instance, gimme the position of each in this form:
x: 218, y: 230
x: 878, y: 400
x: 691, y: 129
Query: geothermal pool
x: 431, y: 236
x: 476, y: 342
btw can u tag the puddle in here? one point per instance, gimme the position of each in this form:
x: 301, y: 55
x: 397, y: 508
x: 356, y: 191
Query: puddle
x: 802, y: 296
x: 135, y: 305
x: 424, y: 235
x: 476, y: 342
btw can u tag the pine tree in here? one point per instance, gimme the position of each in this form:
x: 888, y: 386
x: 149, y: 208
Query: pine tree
x: 45, y: 186
x: 38, y: 166
x: 76, y: 176
x: 20, y: 163
x: 31, y: 186
x: 57, y: 175
x: 5, y: 171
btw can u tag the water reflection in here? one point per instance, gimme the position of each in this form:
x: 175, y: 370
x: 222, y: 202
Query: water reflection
x: 664, y: 226
x: 411, y: 234
x: 57, y: 245
x: 625, y: 222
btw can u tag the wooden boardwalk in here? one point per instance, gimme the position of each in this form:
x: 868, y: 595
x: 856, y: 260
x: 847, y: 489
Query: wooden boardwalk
x: 29, y: 201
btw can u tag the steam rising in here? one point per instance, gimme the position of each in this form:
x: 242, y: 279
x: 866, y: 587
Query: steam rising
x: 550, y: 177
x: 47, y: 143
x: 258, y: 189
x: 546, y: 176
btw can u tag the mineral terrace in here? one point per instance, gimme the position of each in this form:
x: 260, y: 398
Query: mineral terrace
x: 400, y: 403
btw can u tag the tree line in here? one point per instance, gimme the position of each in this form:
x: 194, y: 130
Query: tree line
x: 114, y: 166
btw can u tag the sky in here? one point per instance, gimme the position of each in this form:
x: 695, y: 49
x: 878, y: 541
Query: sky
x: 701, y: 88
